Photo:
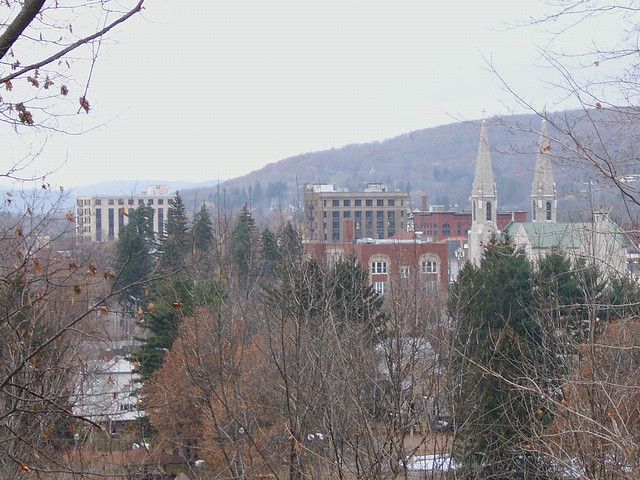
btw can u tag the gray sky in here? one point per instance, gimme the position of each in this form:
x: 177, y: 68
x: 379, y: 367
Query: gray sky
x: 207, y: 89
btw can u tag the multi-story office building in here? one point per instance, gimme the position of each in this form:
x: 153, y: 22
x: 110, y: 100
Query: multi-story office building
x: 376, y: 212
x: 100, y: 218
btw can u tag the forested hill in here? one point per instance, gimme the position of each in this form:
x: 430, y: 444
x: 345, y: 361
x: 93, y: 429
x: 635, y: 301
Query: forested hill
x: 438, y: 162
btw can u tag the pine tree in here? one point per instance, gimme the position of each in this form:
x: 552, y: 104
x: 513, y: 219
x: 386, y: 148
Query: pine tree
x: 202, y: 231
x: 135, y: 258
x: 354, y: 300
x: 243, y: 247
x: 176, y: 297
x: 499, y: 362
x: 175, y: 244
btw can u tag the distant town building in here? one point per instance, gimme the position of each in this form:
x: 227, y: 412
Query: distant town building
x: 106, y: 392
x: 100, y: 218
x: 376, y: 212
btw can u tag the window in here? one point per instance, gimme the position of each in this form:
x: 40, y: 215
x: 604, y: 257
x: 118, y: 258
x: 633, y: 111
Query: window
x: 548, y: 210
x: 379, y: 287
x: 473, y: 216
x: 121, y: 201
x: 98, y: 201
x: 140, y: 201
x: 533, y: 208
x: 369, y: 223
x: 161, y: 201
x: 79, y: 203
x: 391, y: 223
x: 150, y: 201
x: 405, y: 271
x: 458, y: 229
x: 346, y: 203
x: 120, y: 219
x: 335, y: 203
x: 488, y: 211
x: 368, y: 202
x: 111, y: 201
x: 380, y: 223
x: 357, y: 203
x: 335, y: 226
x: 391, y: 202
x: 357, y: 223
x: 430, y: 265
x: 446, y: 230
x: 380, y: 202
x: 98, y: 224
x: 379, y: 266
x: 111, y: 223
x: 130, y: 201
x: 346, y: 214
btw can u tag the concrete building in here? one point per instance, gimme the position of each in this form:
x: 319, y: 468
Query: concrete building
x: 376, y: 212
x: 100, y: 218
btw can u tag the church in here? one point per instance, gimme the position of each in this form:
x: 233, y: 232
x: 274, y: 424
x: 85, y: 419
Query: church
x: 600, y: 240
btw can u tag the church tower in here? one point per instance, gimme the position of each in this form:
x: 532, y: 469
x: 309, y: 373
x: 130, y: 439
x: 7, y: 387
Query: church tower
x: 484, y: 200
x: 544, y: 203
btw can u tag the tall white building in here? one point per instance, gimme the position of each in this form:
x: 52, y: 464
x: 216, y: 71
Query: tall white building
x: 100, y: 218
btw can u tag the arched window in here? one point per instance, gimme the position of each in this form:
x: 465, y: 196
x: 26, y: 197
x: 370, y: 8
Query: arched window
x: 446, y: 230
x: 488, y: 211
x: 429, y: 264
x: 379, y: 264
x: 548, y: 210
x: 474, y: 211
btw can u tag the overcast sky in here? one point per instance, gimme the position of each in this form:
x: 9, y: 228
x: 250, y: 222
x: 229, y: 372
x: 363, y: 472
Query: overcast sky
x: 208, y: 89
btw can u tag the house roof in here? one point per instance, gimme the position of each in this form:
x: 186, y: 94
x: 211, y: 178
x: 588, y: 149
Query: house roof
x: 564, y: 235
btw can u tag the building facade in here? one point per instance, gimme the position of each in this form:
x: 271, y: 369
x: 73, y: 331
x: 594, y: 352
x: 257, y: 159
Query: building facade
x: 409, y: 260
x: 100, y: 218
x: 376, y: 212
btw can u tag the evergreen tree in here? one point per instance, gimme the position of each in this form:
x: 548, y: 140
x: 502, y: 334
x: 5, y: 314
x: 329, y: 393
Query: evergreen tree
x: 243, y: 247
x: 499, y: 362
x: 176, y: 297
x: 135, y: 259
x: 175, y: 243
x: 202, y: 230
x: 354, y: 300
x: 269, y: 251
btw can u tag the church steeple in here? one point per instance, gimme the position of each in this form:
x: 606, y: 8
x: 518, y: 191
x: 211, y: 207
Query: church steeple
x: 544, y: 203
x: 484, y: 200
x: 484, y: 197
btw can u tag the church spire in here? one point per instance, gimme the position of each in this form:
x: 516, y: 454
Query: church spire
x: 484, y: 200
x: 483, y: 180
x: 484, y: 197
x: 543, y: 188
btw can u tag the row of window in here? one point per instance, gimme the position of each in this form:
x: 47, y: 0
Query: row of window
x: 121, y: 201
x: 432, y: 229
x: 391, y: 202
x: 428, y: 265
x: 547, y: 209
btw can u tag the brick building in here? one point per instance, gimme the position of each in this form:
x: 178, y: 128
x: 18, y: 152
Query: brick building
x: 390, y: 260
x: 376, y: 212
x: 442, y: 226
